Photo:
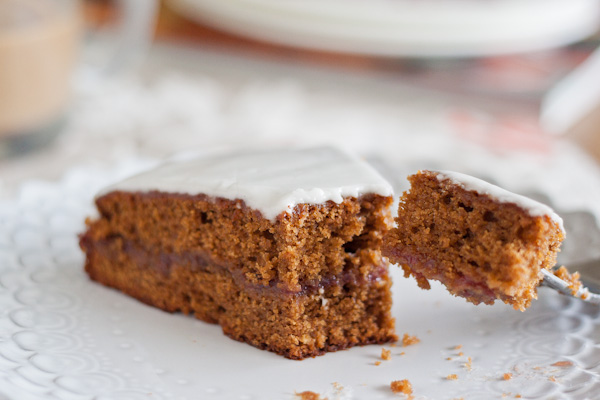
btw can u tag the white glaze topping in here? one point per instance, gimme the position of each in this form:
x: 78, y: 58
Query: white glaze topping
x: 269, y: 181
x: 533, y: 208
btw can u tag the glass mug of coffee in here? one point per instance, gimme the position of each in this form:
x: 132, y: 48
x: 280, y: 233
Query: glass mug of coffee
x: 40, y: 51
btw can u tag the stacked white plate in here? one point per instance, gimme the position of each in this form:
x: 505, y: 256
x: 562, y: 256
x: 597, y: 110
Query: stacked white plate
x: 403, y: 27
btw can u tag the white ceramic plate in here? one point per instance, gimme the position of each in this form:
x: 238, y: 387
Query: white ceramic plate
x: 65, y: 337
x: 403, y: 27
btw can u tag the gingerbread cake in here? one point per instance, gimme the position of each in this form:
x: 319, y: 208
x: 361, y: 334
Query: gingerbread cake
x: 282, y: 249
x: 482, y: 242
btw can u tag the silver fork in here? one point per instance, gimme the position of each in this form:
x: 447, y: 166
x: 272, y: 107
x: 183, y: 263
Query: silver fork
x: 590, y: 278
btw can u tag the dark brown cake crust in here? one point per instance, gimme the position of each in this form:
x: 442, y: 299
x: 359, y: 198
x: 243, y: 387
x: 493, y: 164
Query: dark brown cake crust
x: 479, y: 248
x: 311, y: 282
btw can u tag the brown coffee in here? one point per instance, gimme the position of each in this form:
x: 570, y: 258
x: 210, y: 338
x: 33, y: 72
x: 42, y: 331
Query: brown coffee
x: 38, y: 49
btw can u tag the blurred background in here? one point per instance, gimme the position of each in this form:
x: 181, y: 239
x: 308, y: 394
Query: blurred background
x: 504, y: 89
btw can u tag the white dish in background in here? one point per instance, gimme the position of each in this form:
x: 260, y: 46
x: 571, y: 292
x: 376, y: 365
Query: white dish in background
x: 65, y: 337
x: 452, y: 28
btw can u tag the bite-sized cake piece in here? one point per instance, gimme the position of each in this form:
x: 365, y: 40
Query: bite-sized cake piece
x: 281, y: 248
x: 483, y: 242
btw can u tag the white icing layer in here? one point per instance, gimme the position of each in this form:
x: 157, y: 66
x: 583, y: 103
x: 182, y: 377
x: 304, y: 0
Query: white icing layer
x: 533, y: 208
x: 269, y: 181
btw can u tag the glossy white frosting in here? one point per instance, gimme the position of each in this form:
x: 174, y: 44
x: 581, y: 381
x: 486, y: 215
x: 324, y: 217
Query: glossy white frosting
x: 534, y: 208
x: 269, y: 181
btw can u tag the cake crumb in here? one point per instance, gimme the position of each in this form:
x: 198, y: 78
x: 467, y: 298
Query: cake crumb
x: 507, y: 376
x: 552, y: 378
x: 461, y: 354
x: 517, y: 396
x: 377, y: 363
x: 408, y: 340
x: 585, y: 293
x: 449, y: 358
x: 458, y: 347
x: 308, y: 395
x: 572, y: 279
x: 404, y: 386
x: 469, y: 364
x: 402, y: 353
x: 452, y: 377
x: 386, y: 354
x: 562, y: 364
x: 340, y: 390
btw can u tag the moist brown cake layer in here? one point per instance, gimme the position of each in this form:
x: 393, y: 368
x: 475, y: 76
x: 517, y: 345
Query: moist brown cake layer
x: 302, y: 246
x: 312, y: 281
x: 337, y: 315
x: 479, y: 248
x: 198, y: 261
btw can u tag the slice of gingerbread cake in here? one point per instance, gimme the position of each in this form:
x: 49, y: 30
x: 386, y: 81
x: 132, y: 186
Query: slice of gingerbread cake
x: 280, y: 248
x: 482, y: 242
